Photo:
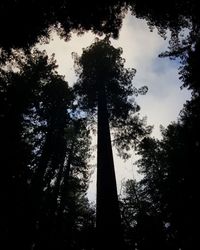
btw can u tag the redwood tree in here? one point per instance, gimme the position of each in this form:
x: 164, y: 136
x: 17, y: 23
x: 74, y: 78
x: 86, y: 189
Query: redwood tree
x: 103, y: 88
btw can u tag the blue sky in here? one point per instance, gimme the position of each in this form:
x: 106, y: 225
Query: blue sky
x: 141, y: 48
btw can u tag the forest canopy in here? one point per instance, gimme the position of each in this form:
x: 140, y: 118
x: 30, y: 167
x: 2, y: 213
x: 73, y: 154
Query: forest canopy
x: 46, y: 143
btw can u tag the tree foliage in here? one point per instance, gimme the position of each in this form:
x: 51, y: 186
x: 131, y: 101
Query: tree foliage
x: 104, y: 87
x: 181, y: 18
x: 166, y: 192
x: 45, y: 153
x: 25, y: 23
x: 102, y: 64
x: 45, y: 144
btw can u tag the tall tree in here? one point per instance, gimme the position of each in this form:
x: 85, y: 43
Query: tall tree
x: 45, y: 153
x: 168, y: 184
x: 144, y: 228
x: 64, y: 199
x: 19, y: 91
x: 104, y: 86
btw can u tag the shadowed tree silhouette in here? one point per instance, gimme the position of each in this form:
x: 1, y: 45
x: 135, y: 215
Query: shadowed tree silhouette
x: 21, y: 29
x: 167, y: 189
x: 104, y: 86
x: 34, y: 119
x: 45, y: 153
x: 19, y: 91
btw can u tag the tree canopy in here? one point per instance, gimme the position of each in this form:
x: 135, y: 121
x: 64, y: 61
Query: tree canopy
x: 20, y: 27
x: 45, y: 137
x: 23, y: 23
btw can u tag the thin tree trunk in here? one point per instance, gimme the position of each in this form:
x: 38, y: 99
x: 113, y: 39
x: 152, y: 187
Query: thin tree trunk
x: 108, y: 222
x: 65, y: 188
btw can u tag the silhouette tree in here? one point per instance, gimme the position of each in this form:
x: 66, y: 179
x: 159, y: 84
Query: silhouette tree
x: 19, y: 90
x: 104, y: 86
x: 166, y: 191
x: 65, y: 204
x: 44, y: 164
x: 45, y: 150
x: 142, y: 221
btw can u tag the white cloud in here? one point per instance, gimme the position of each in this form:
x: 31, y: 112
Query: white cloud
x: 63, y: 51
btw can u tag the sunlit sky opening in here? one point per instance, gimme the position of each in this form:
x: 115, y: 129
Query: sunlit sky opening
x: 141, y: 48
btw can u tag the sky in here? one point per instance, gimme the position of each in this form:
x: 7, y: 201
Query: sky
x: 141, y: 48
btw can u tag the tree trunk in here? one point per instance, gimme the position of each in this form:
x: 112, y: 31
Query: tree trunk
x: 65, y: 188
x: 109, y: 233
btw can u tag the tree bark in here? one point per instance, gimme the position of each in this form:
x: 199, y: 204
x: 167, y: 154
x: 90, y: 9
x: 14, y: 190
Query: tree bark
x: 108, y: 221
